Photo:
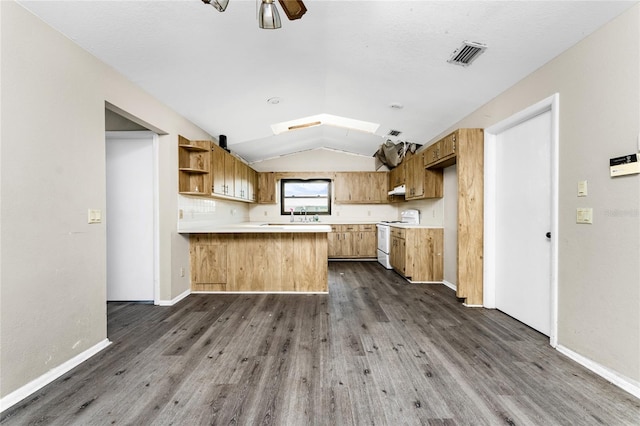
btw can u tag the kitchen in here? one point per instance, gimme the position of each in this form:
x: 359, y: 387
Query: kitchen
x: 381, y: 193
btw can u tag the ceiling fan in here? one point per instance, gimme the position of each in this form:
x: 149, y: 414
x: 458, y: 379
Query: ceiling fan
x: 268, y: 16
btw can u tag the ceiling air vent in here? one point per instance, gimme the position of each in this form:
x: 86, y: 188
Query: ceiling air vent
x: 394, y: 133
x: 466, y: 53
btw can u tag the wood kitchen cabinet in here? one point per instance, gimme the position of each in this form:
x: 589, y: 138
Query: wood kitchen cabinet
x: 465, y: 149
x: 361, y: 187
x: 231, y: 177
x: 208, y: 261
x: 416, y: 253
x: 358, y: 241
x: 267, y: 188
x: 259, y: 262
x: 422, y: 183
x: 223, y: 171
x: 194, y: 165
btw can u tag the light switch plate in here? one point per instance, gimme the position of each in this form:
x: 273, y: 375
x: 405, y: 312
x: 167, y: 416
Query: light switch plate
x: 582, y: 188
x: 94, y: 216
x: 584, y: 215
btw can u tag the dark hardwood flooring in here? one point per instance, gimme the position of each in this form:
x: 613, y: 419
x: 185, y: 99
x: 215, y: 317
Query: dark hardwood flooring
x: 376, y: 350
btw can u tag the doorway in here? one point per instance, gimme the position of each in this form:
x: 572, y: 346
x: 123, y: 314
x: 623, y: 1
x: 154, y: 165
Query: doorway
x: 521, y: 180
x: 131, y: 216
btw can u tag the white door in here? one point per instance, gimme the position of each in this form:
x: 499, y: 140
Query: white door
x: 130, y: 218
x: 522, y: 221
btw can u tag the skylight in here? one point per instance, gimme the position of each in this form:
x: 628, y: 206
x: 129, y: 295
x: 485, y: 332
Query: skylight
x: 324, y: 119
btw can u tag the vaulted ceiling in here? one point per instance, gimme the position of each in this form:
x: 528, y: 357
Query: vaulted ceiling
x: 383, y: 62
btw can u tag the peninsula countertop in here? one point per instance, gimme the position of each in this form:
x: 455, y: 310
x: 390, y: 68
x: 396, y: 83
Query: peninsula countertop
x: 253, y: 228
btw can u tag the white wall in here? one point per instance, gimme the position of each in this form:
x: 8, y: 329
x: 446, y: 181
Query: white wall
x: 52, y: 169
x: 599, y: 265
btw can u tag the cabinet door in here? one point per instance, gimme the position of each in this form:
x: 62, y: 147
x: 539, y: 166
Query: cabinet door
x: 397, y: 255
x: 267, y: 188
x: 365, y: 244
x: 396, y: 176
x: 343, y: 187
x: 449, y: 145
x: 252, y: 185
x: 218, y: 170
x: 432, y: 153
x: 229, y: 174
x: 433, y: 183
x: 240, y: 179
x: 415, y: 177
x: 208, y: 260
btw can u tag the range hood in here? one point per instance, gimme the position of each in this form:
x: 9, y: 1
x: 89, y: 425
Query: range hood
x: 398, y: 190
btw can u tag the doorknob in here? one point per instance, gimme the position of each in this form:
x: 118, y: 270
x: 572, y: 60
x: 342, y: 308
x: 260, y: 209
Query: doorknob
x: 548, y: 234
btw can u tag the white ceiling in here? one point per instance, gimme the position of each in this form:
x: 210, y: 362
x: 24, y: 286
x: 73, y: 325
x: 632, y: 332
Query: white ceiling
x: 347, y: 58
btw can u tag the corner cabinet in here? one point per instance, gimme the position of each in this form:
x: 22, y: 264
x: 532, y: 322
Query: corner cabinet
x: 416, y: 253
x: 361, y: 187
x: 465, y: 149
x: 194, y: 165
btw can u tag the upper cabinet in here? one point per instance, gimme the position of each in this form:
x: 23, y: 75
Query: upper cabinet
x: 267, y: 188
x: 194, y: 165
x: 361, y: 187
x: 208, y: 170
x: 420, y: 182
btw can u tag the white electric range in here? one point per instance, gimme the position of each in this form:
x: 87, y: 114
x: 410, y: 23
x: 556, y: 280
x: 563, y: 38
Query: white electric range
x: 410, y: 216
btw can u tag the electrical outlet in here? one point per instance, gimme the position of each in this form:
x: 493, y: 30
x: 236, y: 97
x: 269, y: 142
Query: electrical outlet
x: 180, y: 213
x: 182, y: 271
x: 265, y: 212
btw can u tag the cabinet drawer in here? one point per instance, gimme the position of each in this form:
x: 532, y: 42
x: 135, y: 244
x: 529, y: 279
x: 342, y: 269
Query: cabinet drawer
x: 398, y: 232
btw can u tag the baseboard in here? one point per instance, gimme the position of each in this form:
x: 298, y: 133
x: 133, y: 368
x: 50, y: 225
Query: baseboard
x: 35, y: 385
x: 174, y: 300
x: 260, y: 292
x: 617, y: 379
x: 452, y: 286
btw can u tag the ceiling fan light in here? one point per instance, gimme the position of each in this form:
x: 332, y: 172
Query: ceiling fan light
x: 268, y: 17
x: 220, y: 5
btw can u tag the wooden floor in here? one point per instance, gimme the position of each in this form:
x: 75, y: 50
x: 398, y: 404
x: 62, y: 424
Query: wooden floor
x: 376, y: 350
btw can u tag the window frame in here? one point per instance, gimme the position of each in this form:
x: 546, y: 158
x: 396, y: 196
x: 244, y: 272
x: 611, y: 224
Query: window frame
x: 283, y: 182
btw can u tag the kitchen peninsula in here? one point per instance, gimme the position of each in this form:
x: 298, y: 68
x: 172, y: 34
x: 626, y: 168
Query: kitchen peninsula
x: 259, y: 257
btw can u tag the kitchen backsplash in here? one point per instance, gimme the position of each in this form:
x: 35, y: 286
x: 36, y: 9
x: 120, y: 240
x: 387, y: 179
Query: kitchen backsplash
x: 211, y: 211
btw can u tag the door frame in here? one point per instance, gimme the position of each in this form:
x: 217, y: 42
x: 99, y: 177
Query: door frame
x: 550, y: 104
x: 156, y: 198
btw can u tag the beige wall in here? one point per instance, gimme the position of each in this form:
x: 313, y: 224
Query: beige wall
x: 599, y: 270
x: 52, y: 169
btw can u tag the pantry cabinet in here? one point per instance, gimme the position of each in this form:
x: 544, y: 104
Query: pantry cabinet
x: 357, y: 241
x: 361, y: 187
x: 416, y: 253
x: 465, y: 149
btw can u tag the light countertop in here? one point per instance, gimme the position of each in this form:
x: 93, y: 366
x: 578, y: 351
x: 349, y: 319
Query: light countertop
x: 253, y: 228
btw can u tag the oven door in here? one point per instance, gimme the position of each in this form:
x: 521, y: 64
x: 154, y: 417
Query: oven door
x: 384, y: 242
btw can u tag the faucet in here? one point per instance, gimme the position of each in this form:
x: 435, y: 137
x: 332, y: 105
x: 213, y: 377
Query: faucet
x: 291, y: 214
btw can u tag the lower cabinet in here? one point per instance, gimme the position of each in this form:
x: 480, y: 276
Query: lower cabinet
x: 416, y: 253
x: 208, y: 259
x: 359, y: 241
x: 256, y: 262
